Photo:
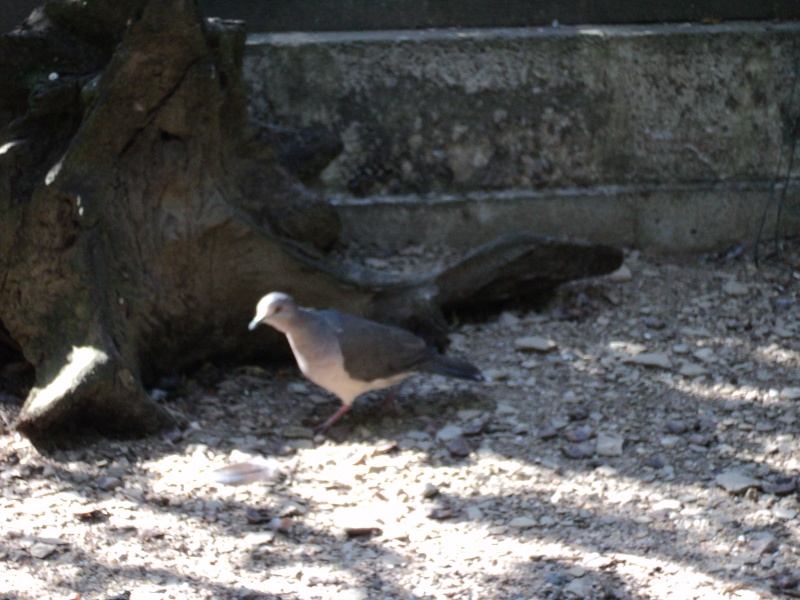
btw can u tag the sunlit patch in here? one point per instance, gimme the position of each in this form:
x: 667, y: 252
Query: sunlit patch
x: 777, y: 354
x: 80, y: 362
x: 8, y: 146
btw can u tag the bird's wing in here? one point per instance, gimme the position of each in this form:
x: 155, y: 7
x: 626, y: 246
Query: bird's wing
x: 374, y: 351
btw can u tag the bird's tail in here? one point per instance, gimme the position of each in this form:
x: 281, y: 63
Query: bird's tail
x: 452, y: 367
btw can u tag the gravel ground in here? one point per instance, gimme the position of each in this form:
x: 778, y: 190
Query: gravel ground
x: 638, y: 440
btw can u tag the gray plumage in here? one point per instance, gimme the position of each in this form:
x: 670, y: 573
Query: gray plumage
x: 350, y: 356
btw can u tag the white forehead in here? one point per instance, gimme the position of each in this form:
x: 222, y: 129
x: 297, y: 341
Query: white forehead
x: 273, y: 299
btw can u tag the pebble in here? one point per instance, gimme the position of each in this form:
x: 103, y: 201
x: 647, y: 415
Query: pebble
x: 735, y: 288
x: 783, y: 486
x: 783, y: 513
x: 108, y: 483
x: 668, y: 504
x: 579, y: 413
x: 621, y: 275
x: 692, y: 370
x: 790, y: 393
x: 298, y: 387
x: 523, y: 522
x: 651, y: 359
x: 534, y: 343
x: 467, y: 414
x: 584, y: 450
x: 475, y: 426
x: 609, y: 444
x: 670, y: 441
x: 41, y: 550
x: 736, y: 482
x: 700, y: 439
x: 459, y: 447
x: 677, y: 427
x: 449, y: 432
x: 353, y: 594
x: 546, y: 432
x: 654, y: 462
x: 580, y: 587
x: 764, y: 543
x: 429, y: 490
x: 579, y: 434
x: 294, y: 432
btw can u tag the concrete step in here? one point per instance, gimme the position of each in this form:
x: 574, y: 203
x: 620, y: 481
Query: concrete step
x: 665, y: 136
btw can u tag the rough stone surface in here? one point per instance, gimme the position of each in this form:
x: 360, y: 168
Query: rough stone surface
x: 455, y: 135
x: 381, y: 495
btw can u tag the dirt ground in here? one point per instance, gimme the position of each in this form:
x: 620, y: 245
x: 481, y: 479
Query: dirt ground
x: 638, y: 439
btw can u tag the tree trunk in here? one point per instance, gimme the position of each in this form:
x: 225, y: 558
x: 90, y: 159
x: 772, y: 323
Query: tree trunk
x: 140, y: 222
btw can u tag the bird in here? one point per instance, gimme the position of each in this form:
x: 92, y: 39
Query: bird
x: 350, y: 356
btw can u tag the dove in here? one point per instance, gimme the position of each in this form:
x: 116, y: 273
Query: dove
x: 350, y: 356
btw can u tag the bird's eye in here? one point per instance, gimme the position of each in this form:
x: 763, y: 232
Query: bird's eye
x: 277, y: 309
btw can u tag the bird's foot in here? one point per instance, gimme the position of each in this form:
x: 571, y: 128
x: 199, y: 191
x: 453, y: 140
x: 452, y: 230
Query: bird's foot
x: 324, y: 427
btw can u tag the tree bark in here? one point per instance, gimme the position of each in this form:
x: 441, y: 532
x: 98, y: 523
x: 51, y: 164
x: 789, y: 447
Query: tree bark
x: 140, y: 222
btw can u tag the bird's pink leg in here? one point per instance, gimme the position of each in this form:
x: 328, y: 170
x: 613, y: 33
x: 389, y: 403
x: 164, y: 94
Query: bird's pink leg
x: 335, y: 417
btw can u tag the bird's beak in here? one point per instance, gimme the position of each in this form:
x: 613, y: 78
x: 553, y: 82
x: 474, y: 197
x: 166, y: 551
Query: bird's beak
x: 254, y: 323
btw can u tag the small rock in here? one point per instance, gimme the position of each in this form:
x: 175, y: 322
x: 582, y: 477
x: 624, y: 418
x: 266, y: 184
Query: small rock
x: 692, y: 370
x: 677, y: 427
x: 366, y: 531
x: 41, y: 550
x: 108, y: 483
x: 609, y: 444
x: 505, y: 409
x: 429, y: 490
x: 523, y: 522
x: 384, y: 447
x: 534, y: 343
x: 353, y: 594
x: 467, y: 414
x: 578, y: 413
x: 293, y: 432
x: 621, y: 275
x: 668, y: 504
x: 670, y: 441
x: 547, y: 521
x: 555, y: 579
x: 440, y: 512
x: 584, y: 450
x: 736, y: 482
x: 790, y: 393
x: 474, y: 513
x: 579, y: 434
x: 651, y: 359
x: 475, y: 426
x: 783, y: 513
x: 298, y: 387
x: 783, y: 486
x: 765, y: 543
x: 449, y: 432
x: 700, y: 439
x: 458, y: 447
x: 546, y: 432
x: 787, y: 580
x: 580, y: 587
x: 705, y: 355
x: 655, y: 462
x: 735, y: 288
x: 654, y: 323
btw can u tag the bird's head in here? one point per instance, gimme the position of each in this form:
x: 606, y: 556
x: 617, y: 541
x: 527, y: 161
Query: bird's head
x: 274, y: 309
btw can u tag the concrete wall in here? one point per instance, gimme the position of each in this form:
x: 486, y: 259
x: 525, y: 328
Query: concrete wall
x: 577, y: 131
